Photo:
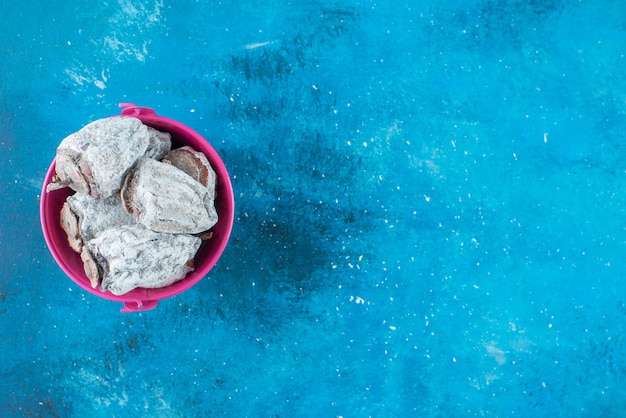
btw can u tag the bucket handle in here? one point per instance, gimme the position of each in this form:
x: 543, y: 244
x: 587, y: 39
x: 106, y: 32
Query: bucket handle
x: 130, y: 109
x: 139, y: 305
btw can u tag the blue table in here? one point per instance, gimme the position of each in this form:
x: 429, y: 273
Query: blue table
x: 430, y: 209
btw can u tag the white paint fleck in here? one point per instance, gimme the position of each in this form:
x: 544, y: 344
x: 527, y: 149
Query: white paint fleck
x: 357, y: 299
x: 497, y: 353
x: 255, y: 45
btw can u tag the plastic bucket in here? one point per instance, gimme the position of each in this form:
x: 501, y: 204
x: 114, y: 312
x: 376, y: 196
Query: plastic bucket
x: 142, y: 299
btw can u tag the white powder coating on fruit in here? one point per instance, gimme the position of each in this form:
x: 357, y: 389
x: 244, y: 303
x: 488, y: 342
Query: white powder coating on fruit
x: 166, y: 199
x: 105, y: 150
x: 132, y: 217
x: 132, y: 256
x: 160, y: 143
x: 98, y: 215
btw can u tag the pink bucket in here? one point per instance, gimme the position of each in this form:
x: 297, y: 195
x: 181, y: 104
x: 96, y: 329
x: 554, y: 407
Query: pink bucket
x: 142, y: 299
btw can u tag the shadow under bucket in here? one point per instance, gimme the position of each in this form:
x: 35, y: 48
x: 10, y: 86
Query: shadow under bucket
x: 142, y: 299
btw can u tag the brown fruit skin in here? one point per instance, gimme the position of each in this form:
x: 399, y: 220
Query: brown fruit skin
x: 194, y: 163
x: 91, y: 267
x: 69, y: 174
x: 69, y: 223
x: 127, y: 192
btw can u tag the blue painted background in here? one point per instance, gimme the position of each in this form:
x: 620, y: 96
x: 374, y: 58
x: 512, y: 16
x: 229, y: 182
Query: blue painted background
x: 430, y: 208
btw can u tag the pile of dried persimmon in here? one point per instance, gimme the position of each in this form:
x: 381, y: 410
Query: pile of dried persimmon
x: 141, y: 209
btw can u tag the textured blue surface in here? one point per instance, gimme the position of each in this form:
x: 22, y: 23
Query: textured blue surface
x: 430, y: 208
